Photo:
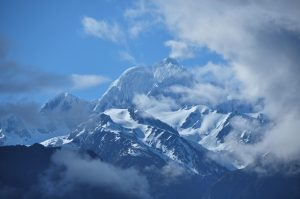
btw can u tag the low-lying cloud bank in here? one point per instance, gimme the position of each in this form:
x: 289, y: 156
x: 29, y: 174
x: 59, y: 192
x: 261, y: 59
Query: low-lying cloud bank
x: 72, y: 171
x: 52, y: 173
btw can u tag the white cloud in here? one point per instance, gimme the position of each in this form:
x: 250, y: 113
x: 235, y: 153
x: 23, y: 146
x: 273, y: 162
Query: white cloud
x: 154, y: 104
x: 212, y: 85
x: 139, y: 9
x: 81, y: 170
x: 16, y: 78
x: 179, y: 49
x: 141, y: 17
x: 173, y: 170
x: 201, y: 94
x: 102, y: 29
x: 284, y: 137
x: 137, y: 28
x: 138, y: 18
x: 261, y: 41
x: 209, y: 85
x: 86, y: 81
x: 217, y: 74
x: 249, y: 34
x: 126, y: 56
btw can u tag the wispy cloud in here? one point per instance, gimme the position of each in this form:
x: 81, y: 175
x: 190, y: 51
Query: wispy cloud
x: 173, y: 173
x: 179, y: 49
x: 141, y: 17
x: 102, y: 29
x: 126, y: 56
x: 136, y: 28
x: 139, y: 9
x: 87, y: 81
x: 211, y: 85
x: 201, y: 94
x: 154, y: 104
x: 16, y: 78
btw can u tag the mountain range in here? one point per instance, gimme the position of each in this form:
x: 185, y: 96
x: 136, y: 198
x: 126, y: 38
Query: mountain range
x: 142, y: 121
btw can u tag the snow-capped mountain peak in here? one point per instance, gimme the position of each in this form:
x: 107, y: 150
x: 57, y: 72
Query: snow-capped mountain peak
x: 147, y: 80
x: 168, y: 61
x: 63, y: 102
x: 166, y: 68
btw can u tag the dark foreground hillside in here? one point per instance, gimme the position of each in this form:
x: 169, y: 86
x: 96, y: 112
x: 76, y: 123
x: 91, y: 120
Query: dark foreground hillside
x: 28, y: 172
x: 37, y: 172
x: 248, y: 184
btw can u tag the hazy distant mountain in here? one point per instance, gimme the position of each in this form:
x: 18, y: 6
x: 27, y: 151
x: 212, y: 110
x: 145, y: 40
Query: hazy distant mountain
x: 56, y: 117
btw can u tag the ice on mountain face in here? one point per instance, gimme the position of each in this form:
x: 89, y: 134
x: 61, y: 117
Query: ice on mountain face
x: 110, y: 140
x: 122, y: 117
x: 152, y: 81
x: 212, y: 129
x: 158, y: 81
x: 137, y: 80
x: 233, y: 126
x: 232, y: 133
x: 118, y: 128
x: 193, y: 120
x: 163, y: 130
x: 56, y: 141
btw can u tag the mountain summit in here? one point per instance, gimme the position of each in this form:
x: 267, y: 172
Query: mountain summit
x: 169, y: 61
x: 141, y: 80
x: 63, y: 102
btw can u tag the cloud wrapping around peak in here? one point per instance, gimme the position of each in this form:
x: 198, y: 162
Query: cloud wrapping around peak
x: 154, y: 104
x: 179, y: 49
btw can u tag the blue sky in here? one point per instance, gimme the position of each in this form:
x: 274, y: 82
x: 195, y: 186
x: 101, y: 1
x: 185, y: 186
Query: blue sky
x: 51, y: 36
